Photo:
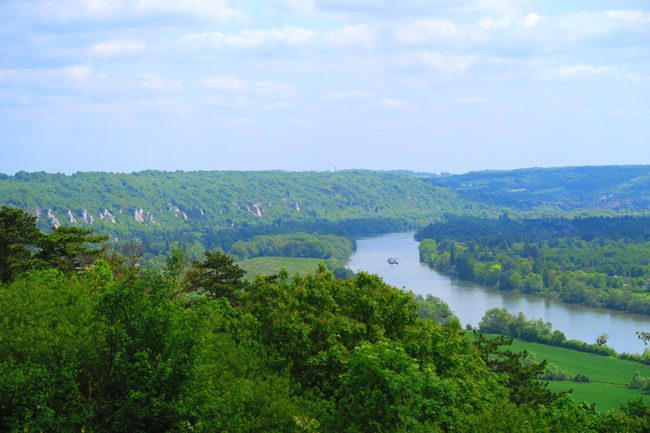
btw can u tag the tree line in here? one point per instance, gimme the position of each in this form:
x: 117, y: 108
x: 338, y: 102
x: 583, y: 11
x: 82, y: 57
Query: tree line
x: 189, y: 346
x: 606, y: 265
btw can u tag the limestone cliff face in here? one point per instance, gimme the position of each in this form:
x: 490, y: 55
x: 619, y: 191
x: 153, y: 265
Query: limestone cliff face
x: 54, y: 222
x: 138, y: 215
x: 176, y: 211
x: 106, y: 215
x: 83, y: 216
x: 71, y: 217
x: 86, y: 217
x: 257, y: 209
x: 49, y: 216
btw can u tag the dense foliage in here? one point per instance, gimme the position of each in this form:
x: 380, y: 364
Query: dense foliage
x: 23, y: 247
x: 209, y: 209
x: 601, y: 262
x: 564, y: 188
x: 434, y: 308
x: 500, y: 321
x: 335, y: 250
x: 191, y: 347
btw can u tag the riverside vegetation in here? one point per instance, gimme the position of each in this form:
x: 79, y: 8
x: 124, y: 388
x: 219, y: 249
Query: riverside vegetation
x: 89, y: 341
x: 595, y: 261
x: 209, y: 209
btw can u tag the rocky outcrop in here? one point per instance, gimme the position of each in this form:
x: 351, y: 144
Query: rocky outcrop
x: 54, y: 222
x: 106, y: 215
x: 86, y: 217
x: 138, y: 215
x: 71, y: 217
x: 49, y: 216
x: 176, y: 211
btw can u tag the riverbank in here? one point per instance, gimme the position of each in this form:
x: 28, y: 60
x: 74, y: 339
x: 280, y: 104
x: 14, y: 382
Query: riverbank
x: 469, y: 301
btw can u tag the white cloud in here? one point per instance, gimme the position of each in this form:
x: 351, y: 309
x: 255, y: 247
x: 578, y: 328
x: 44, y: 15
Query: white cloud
x: 260, y: 89
x: 274, y: 90
x: 224, y: 83
x: 470, y: 100
x: 299, y: 121
x: 531, y: 20
x: 300, y: 6
x: 639, y: 79
x: 6, y: 74
x: 358, y: 35
x: 528, y: 21
x: 348, y: 95
x: 232, y: 120
x: 160, y: 84
x: 426, y: 30
x: 117, y: 48
x: 292, y: 36
x: 446, y: 63
x: 505, y: 7
x: 490, y: 23
x: 56, y: 10
x: 396, y: 104
x: 74, y: 73
x: 630, y: 16
x: 579, y: 71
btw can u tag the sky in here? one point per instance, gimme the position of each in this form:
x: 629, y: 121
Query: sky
x: 424, y: 85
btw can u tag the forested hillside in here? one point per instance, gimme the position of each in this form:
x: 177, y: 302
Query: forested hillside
x: 103, y: 346
x: 565, y: 188
x: 601, y: 262
x: 214, y: 209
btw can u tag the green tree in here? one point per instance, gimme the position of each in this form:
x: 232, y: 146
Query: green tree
x: 601, y: 340
x: 496, y: 321
x: 217, y: 276
x: 638, y: 381
x: 143, y: 339
x: 46, y: 354
x: 384, y: 390
x: 19, y: 238
x: 66, y: 248
x: 435, y: 309
x: 516, y: 370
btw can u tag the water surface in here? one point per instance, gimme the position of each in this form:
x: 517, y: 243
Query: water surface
x: 470, y: 300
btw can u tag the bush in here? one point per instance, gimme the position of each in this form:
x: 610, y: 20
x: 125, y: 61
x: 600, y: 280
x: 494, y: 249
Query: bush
x: 581, y: 378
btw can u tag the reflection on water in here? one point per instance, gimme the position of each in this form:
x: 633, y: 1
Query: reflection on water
x: 469, y: 300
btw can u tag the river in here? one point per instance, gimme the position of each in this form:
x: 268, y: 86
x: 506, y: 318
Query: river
x: 470, y: 300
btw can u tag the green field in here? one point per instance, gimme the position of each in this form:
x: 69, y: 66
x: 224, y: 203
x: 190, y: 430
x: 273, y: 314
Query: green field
x: 271, y: 265
x: 609, y: 376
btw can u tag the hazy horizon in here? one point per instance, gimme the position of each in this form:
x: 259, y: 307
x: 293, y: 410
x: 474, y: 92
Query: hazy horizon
x: 299, y: 85
x: 433, y: 173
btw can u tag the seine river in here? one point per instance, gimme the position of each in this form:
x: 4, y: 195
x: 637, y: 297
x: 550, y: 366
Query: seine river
x: 469, y: 300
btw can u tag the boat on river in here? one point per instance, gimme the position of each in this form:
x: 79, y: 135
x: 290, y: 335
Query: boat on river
x: 393, y: 261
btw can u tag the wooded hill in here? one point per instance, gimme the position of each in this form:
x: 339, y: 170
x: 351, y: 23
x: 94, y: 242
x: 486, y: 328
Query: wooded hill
x: 208, y: 209
x: 217, y: 208
x: 566, y: 188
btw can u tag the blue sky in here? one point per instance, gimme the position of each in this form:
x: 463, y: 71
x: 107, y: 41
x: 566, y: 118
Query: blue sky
x: 426, y: 85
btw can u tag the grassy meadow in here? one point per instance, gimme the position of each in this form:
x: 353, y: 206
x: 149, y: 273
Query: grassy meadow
x: 609, y: 377
x: 271, y: 265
